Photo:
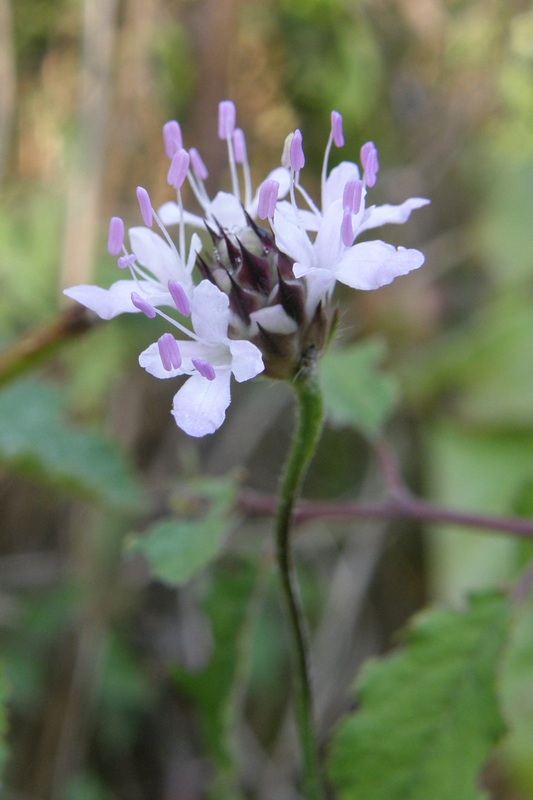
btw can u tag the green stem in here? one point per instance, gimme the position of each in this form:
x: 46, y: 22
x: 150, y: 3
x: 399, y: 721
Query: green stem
x: 309, y: 427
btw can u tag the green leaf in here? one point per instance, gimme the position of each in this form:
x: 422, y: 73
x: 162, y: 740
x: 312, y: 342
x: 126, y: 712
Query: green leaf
x: 178, y: 548
x: 37, y: 440
x: 429, y: 717
x: 356, y: 392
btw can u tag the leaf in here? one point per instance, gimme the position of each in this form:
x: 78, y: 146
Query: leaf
x: 177, y: 549
x: 37, y: 440
x: 356, y: 393
x: 429, y: 717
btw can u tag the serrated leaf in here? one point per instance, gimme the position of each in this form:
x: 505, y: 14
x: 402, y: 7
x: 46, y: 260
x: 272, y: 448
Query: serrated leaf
x: 37, y: 440
x: 357, y: 393
x: 178, y: 548
x: 428, y: 716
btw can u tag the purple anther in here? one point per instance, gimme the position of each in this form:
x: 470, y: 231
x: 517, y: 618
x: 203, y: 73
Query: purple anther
x: 336, y: 129
x: 352, y: 196
x: 115, y: 240
x: 268, y: 197
x: 226, y: 119
x: 179, y: 296
x: 296, y: 151
x: 369, y: 160
x: 197, y: 163
x: 347, y: 229
x: 239, y: 145
x: 169, y: 352
x: 205, y: 369
x: 126, y: 261
x: 143, y: 305
x: 179, y: 168
x: 172, y: 137
x: 145, y: 205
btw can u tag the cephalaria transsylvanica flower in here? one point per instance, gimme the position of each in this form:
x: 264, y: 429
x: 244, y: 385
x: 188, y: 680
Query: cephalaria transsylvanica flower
x: 250, y: 299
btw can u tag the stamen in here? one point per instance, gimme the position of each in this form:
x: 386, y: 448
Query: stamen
x: 286, y: 154
x: 143, y: 305
x: 115, y: 240
x: 226, y: 119
x: 179, y: 296
x: 197, y: 163
x: 268, y: 197
x: 347, y: 229
x: 205, y: 369
x: 239, y: 146
x: 336, y: 129
x: 145, y: 205
x: 297, y: 158
x: 352, y: 196
x: 179, y: 168
x: 169, y: 352
x: 126, y: 261
x: 172, y: 138
x: 369, y: 160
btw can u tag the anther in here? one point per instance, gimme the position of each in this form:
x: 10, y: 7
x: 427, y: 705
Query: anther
x: 205, y: 369
x: 197, y: 163
x: 115, y: 240
x: 226, y: 119
x: 336, y: 129
x: 169, y: 352
x: 145, y: 205
x: 179, y: 168
x: 172, y: 137
x: 126, y: 261
x: 143, y: 305
x: 296, y: 153
x: 347, y: 229
x: 179, y: 296
x: 239, y: 146
x: 352, y: 196
x: 268, y: 197
x: 369, y: 160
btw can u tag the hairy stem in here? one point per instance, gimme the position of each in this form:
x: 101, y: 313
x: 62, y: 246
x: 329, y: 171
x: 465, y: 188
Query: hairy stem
x: 309, y: 427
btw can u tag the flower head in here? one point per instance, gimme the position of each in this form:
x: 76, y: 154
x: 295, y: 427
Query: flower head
x: 263, y: 300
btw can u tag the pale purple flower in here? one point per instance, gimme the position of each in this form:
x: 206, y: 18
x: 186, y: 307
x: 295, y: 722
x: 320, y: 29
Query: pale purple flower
x: 210, y: 358
x: 322, y: 240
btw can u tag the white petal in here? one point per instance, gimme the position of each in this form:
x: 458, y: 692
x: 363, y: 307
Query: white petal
x: 247, y: 361
x: 154, y: 253
x: 291, y: 239
x: 227, y: 211
x: 390, y: 214
x: 107, y: 303
x: 336, y: 181
x: 169, y: 214
x: 328, y: 243
x: 200, y: 405
x: 274, y: 319
x: 369, y: 265
x: 210, y: 312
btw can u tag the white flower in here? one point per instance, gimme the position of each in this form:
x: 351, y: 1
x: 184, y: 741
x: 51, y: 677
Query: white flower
x: 210, y: 358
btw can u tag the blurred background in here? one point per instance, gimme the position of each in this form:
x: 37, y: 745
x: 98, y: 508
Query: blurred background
x: 121, y: 687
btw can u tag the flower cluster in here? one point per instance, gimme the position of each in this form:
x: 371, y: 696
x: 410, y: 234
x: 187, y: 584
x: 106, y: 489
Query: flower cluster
x: 261, y: 301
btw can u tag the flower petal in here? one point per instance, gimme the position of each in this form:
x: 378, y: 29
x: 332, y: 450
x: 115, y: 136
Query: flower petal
x: 291, y: 239
x: 391, y: 214
x: 247, y: 361
x: 107, y: 303
x: 369, y: 265
x: 154, y: 253
x: 210, y: 312
x: 169, y: 214
x: 337, y: 180
x: 200, y: 405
